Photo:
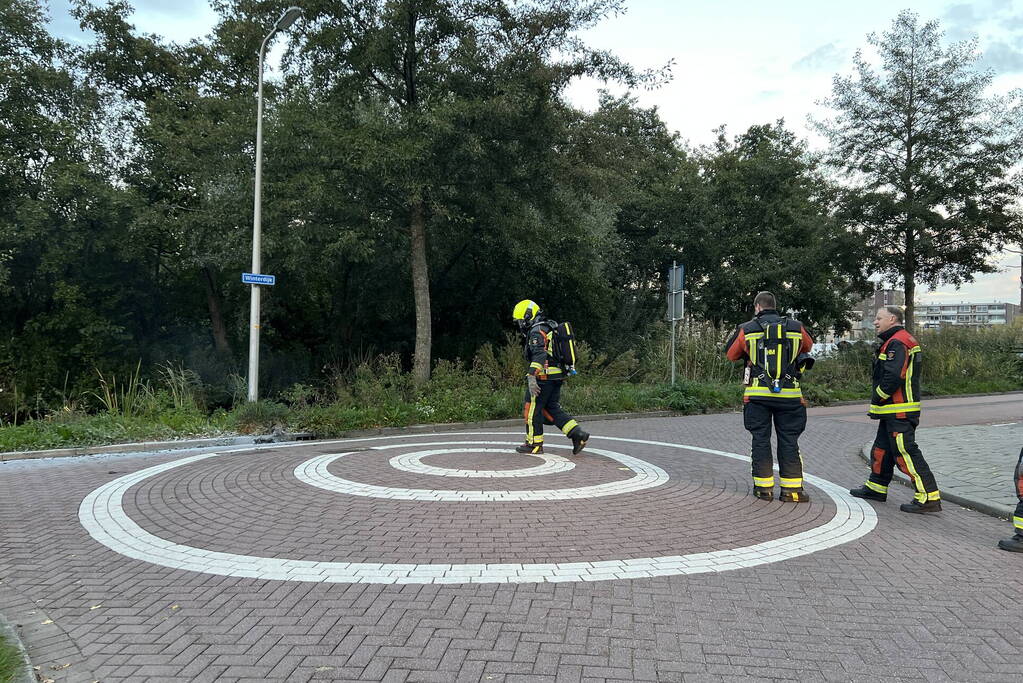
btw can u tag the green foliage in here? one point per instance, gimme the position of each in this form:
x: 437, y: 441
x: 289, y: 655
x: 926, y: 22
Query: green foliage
x: 126, y: 197
x: 77, y: 429
x: 929, y: 157
x: 259, y: 417
x: 767, y: 224
x: 128, y: 398
x: 10, y: 661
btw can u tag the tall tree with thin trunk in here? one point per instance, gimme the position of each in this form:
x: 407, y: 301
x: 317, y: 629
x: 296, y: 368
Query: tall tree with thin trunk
x: 928, y: 156
x: 435, y: 81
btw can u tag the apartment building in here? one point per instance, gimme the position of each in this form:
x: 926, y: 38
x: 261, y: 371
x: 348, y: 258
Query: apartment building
x: 931, y: 316
x: 867, y: 308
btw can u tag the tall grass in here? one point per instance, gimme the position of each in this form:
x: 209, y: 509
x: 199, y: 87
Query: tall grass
x: 10, y: 661
x: 126, y: 398
x: 377, y: 391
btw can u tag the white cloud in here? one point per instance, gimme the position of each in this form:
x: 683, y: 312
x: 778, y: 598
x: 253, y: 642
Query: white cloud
x: 827, y: 58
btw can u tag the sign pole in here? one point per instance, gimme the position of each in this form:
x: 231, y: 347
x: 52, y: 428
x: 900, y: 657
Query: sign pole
x: 671, y: 286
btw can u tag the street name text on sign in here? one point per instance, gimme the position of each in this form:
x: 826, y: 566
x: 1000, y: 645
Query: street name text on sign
x: 259, y: 279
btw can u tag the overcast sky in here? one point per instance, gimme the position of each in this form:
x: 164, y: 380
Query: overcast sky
x: 737, y: 62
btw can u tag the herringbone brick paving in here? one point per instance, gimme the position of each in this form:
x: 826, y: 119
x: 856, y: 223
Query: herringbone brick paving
x: 917, y: 599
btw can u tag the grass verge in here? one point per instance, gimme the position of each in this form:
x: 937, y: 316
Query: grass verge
x: 10, y: 661
x: 379, y: 393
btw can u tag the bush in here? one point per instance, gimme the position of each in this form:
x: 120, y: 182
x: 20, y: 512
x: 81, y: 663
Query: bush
x: 259, y: 417
x: 377, y: 392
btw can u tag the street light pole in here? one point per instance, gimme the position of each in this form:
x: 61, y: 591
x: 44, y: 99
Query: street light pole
x: 286, y: 20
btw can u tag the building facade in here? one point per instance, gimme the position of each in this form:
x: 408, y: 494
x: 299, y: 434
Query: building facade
x: 867, y: 308
x: 971, y: 314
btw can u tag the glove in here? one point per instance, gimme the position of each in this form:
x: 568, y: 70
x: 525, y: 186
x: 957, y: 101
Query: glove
x: 534, y: 386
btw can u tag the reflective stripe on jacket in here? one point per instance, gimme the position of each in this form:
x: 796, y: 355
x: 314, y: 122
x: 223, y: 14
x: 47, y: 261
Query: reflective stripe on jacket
x: 539, y: 352
x: 742, y: 345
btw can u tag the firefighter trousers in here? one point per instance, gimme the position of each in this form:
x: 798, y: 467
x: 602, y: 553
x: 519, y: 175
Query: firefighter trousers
x: 789, y: 417
x: 546, y: 407
x: 1017, y: 517
x: 895, y: 444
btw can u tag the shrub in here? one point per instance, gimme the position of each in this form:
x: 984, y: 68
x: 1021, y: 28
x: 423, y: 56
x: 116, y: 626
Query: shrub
x: 259, y: 417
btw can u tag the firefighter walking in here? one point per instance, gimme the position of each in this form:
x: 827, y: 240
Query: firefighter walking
x: 775, y: 349
x: 544, y: 380
x: 895, y: 403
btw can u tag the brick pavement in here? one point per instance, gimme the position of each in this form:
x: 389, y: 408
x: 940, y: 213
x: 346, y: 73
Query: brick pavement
x: 881, y: 606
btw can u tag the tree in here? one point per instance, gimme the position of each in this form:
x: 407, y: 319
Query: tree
x: 65, y: 281
x: 766, y: 224
x: 928, y: 156
x: 439, y: 79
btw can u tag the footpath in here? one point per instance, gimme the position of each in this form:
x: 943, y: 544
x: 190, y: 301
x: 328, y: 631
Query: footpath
x: 971, y: 443
x: 973, y: 464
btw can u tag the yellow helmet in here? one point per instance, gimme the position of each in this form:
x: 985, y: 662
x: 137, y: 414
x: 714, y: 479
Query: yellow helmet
x: 525, y: 313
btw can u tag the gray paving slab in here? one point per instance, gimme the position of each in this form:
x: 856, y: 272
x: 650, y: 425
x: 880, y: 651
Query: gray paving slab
x: 973, y: 464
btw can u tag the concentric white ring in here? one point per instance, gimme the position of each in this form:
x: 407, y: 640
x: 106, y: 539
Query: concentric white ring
x: 412, y: 462
x: 315, y: 473
x: 102, y: 515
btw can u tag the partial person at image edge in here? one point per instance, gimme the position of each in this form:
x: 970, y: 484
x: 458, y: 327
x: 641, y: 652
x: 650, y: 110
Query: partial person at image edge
x: 1015, y: 544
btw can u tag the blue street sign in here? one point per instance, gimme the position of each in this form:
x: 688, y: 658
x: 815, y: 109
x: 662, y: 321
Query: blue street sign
x: 258, y: 279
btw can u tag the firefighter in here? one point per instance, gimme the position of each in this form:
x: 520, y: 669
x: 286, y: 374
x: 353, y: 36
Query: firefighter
x: 543, y: 382
x: 775, y: 349
x: 895, y: 403
x: 1015, y: 544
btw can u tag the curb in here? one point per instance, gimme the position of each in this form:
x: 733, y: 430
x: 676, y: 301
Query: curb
x: 992, y: 509
x: 24, y: 673
x: 151, y: 446
x: 155, y: 446
x: 236, y: 440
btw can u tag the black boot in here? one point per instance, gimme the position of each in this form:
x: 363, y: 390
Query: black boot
x: 579, y: 439
x: 763, y: 493
x: 1013, y: 545
x: 531, y: 449
x: 868, y: 493
x: 793, y: 496
x: 917, y: 506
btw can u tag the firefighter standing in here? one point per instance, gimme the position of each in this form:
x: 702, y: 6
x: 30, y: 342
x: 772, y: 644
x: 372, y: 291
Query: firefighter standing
x: 1015, y: 544
x: 543, y: 382
x: 775, y: 349
x: 895, y: 403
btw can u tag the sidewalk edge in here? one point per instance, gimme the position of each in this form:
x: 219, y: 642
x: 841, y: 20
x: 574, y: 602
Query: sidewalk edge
x: 992, y: 509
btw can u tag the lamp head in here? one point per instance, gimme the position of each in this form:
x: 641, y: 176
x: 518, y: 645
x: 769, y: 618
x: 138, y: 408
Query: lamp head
x: 288, y: 18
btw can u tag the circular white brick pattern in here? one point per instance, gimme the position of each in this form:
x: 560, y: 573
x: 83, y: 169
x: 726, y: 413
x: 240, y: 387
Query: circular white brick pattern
x: 315, y: 473
x: 413, y: 462
x: 102, y: 514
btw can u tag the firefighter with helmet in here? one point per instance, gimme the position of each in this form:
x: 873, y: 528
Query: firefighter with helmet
x: 544, y: 379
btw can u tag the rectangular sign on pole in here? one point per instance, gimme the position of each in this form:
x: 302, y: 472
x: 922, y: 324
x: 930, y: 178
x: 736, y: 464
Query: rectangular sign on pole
x: 675, y: 276
x: 676, y: 305
x: 259, y: 279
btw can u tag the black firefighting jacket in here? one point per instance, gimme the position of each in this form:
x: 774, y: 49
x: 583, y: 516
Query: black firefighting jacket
x: 539, y: 351
x: 742, y: 345
x: 896, y: 375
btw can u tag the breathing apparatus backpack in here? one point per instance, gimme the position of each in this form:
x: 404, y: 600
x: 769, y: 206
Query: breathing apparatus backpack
x: 563, y: 346
x: 772, y: 364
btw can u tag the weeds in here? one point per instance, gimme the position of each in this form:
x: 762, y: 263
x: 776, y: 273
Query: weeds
x: 378, y: 392
x: 126, y: 399
x: 10, y: 661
